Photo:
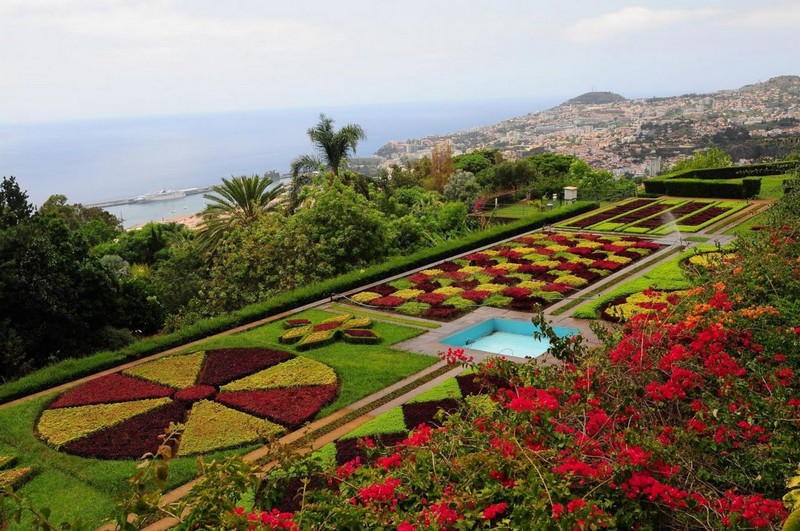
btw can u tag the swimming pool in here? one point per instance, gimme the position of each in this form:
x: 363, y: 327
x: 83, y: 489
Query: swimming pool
x: 507, y: 337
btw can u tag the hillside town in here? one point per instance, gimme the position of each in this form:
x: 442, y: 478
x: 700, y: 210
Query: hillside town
x: 639, y: 137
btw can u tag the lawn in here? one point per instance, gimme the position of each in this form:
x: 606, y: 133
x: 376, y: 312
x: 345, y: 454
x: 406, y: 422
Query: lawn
x: 745, y: 226
x: 73, y: 486
x: 772, y: 186
x: 518, y: 210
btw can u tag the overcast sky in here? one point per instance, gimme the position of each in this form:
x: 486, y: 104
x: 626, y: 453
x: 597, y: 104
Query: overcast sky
x: 65, y: 59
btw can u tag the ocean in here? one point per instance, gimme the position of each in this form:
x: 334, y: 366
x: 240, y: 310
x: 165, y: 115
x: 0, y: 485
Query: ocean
x: 93, y: 161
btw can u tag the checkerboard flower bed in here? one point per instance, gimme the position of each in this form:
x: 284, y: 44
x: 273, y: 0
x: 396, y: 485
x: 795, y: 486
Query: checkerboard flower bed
x: 231, y: 397
x: 610, y: 213
x: 522, y: 274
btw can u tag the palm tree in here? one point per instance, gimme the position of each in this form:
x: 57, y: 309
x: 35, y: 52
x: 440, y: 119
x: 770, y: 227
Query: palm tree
x: 333, y: 147
x: 237, y: 202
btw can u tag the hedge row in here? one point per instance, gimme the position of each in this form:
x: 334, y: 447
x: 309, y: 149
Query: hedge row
x: 71, y: 369
x: 742, y: 189
x: 685, y: 182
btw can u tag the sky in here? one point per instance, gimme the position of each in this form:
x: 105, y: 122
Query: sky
x: 86, y: 59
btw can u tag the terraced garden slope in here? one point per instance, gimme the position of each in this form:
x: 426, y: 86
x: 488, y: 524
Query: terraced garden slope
x: 657, y: 216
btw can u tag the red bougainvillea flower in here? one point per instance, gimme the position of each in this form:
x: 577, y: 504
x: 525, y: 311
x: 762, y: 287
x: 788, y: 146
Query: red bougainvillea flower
x: 495, y: 510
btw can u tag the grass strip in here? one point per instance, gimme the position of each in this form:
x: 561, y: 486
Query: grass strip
x: 744, y: 221
x: 600, y: 289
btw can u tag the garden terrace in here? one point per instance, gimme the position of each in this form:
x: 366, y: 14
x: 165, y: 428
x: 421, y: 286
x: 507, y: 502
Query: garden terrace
x: 611, y: 212
x: 522, y: 274
x: 659, y: 217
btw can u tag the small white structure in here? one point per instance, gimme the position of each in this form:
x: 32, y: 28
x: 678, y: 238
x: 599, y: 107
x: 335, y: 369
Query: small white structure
x: 570, y: 194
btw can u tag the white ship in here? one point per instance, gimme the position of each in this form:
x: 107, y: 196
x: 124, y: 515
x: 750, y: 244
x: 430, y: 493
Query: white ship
x: 161, y: 195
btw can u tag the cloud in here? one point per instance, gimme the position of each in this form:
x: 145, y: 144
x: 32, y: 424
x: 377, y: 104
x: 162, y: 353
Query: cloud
x: 630, y: 20
x: 770, y: 16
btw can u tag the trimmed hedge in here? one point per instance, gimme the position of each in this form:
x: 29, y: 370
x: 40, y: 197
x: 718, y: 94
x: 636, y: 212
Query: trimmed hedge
x: 70, y: 369
x: 743, y: 189
x: 743, y: 181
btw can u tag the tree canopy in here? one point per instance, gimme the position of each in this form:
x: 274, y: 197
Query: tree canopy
x: 708, y: 158
x: 332, y: 146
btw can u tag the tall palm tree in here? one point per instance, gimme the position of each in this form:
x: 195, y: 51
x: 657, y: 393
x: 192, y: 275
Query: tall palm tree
x: 237, y: 202
x: 333, y: 147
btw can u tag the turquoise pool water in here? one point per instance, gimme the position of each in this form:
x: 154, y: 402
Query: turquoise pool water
x: 506, y: 337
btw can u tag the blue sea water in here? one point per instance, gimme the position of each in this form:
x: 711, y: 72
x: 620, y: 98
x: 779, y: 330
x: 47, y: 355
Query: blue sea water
x: 100, y: 160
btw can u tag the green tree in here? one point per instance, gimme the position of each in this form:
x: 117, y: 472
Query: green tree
x: 709, y: 158
x: 477, y: 161
x: 462, y: 186
x: 237, y: 202
x: 508, y: 175
x: 333, y: 232
x: 55, y: 298
x: 332, y: 146
x: 14, y: 206
x: 96, y: 224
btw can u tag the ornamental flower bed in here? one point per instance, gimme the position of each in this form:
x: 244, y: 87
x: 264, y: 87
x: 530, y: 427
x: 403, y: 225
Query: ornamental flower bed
x: 704, y: 262
x: 609, y: 213
x: 527, y: 272
x: 226, y: 398
x: 623, y: 308
x: 360, y: 336
x: 657, y: 217
x: 13, y: 478
x: 345, y: 327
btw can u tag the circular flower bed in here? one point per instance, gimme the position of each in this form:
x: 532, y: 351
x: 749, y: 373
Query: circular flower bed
x: 225, y: 398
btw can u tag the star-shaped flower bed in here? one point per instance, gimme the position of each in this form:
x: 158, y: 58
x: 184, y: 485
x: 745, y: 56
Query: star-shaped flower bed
x: 305, y: 335
x: 225, y: 398
x: 534, y: 270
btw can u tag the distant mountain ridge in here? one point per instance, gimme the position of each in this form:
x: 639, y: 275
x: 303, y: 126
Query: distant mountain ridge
x: 595, y: 98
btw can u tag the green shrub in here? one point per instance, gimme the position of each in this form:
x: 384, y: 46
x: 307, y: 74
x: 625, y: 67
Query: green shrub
x: 743, y: 181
